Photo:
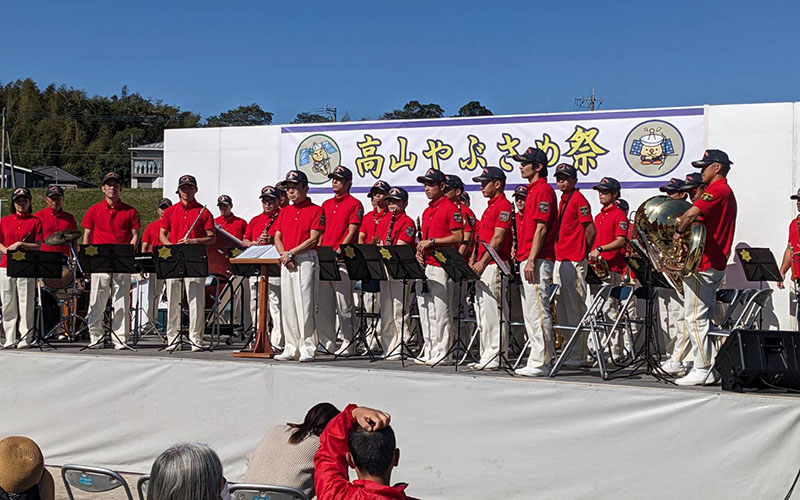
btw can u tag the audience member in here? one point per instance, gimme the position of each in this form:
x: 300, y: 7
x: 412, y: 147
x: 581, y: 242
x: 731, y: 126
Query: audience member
x: 188, y: 471
x: 361, y: 438
x: 286, y: 454
x: 22, y: 472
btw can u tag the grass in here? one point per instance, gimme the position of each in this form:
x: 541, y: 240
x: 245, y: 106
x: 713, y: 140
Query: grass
x: 78, y: 201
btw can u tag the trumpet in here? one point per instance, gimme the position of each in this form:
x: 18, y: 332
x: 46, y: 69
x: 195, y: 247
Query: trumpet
x: 191, y: 228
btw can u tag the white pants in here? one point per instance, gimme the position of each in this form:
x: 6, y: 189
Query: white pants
x: 298, y: 297
x: 536, y: 313
x: 155, y: 287
x: 611, y: 311
x: 18, y: 296
x: 793, y: 305
x: 196, y: 298
x: 700, y: 298
x: 393, y: 320
x: 571, y: 302
x: 335, y: 300
x: 672, y: 324
x: 118, y: 288
x: 488, y: 313
x: 240, y: 287
x: 273, y: 307
x: 435, y: 319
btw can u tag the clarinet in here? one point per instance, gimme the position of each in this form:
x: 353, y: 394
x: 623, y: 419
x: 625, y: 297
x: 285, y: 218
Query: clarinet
x: 514, y: 264
x: 425, y: 288
x: 265, y: 232
x: 388, y: 240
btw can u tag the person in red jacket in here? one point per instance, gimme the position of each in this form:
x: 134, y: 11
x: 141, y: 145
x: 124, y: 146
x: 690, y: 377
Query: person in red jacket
x: 362, y: 439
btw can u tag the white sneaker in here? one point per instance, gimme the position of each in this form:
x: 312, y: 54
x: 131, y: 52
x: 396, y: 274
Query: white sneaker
x: 440, y: 362
x: 696, y: 376
x: 96, y: 345
x: 284, y: 356
x: 305, y: 358
x: 673, y: 367
x: 421, y: 361
x: 345, y: 351
x: 533, y: 371
x: 196, y: 348
x: 119, y: 347
x: 24, y: 345
x: 393, y: 357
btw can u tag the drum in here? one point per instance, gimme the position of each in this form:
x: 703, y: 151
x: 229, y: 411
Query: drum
x: 64, y: 281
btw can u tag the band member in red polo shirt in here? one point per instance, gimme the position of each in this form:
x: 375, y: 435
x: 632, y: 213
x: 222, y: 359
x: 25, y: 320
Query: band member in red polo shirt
x: 261, y: 231
x: 236, y: 227
x: 396, y: 229
x: 298, y: 231
x: 179, y: 228
x: 575, y: 234
x: 54, y: 218
x: 441, y: 226
x: 791, y: 260
x: 612, y: 229
x: 718, y: 208
x: 377, y: 195
x: 110, y: 222
x: 227, y: 220
x: 454, y: 188
x: 18, y: 231
x: 152, y: 238
x: 343, y: 214
x: 494, y: 230
x: 536, y: 253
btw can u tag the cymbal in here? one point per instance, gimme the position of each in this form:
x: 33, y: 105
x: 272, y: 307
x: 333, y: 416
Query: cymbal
x: 62, y: 237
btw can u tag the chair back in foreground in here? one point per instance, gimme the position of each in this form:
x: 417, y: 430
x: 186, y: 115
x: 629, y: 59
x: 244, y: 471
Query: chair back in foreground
x: 92, y: 480
x: 243, y: 491
x: 141, y: 486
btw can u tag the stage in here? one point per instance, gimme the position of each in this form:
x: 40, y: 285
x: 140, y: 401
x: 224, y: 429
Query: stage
x: 461, y: 434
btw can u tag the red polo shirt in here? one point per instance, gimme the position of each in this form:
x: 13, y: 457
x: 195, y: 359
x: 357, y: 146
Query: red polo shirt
x: 540, y: 206
x: 403, y: 230
x: 610, y: 223
x: 234, y: 225
x: 296, y: 222
x: 340, y: 212
x: 54, y: 221
x: 111, y: 224
x: 152, y: 234
x: 370, y: 223
x: 718, y: 206
x: 14, y: 228
x: 259, y: 223
x: 179, y: 218
x: 439, y: 220
x: 497, y: 214
x: 573, y: 212
x: 794, y: 244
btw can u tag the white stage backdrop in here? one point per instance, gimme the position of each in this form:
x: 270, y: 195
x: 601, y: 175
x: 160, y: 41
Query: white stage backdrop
x: 461, y: 436
x: 639, y: 148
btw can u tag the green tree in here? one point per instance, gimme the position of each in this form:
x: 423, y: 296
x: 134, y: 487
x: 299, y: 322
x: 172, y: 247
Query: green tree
x: 413, y: 109
x: 310, y: 118
x: 474, y: 108
x: 251, y: 114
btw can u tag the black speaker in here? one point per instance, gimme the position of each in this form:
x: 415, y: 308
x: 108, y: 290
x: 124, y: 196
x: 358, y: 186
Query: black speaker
x: 760, y: 359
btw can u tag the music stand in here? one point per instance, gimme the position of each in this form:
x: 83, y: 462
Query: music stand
x: 458, y: 271
x: 108, y: 258
x: 145, y: 264
x: 178, y: 262
x: 364, y: 263
x: 35, y: 264
x: 759, y: 265
x: 401, y: 264
x: 592, y: 278
x: 328, y: 265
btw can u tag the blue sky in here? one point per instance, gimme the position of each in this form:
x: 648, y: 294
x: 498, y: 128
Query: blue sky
x: 369, y: 57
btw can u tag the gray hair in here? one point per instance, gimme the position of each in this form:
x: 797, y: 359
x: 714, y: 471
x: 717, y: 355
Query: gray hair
x: 187, y: 471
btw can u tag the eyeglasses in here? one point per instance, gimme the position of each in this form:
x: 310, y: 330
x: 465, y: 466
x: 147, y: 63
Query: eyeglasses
x: 604, y: 191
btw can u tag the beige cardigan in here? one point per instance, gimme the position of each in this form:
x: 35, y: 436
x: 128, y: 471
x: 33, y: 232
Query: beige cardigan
x: 275, y: 461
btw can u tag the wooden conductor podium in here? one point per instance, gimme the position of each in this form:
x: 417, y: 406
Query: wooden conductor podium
x: 264, y: 256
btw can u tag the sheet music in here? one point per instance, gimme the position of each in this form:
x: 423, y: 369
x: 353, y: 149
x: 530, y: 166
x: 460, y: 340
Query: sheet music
x: 260, y: 252
x: 503, y: 265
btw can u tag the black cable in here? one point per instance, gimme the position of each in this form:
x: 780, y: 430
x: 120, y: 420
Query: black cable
x: 789, y: 494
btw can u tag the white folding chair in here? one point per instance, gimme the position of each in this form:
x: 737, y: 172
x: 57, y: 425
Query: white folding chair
x: 551, y: 296
x: 242, y: 491
x: 92, y: 480
x: 588, y: 322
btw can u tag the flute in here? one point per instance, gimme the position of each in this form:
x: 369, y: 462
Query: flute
x: 194, y: 223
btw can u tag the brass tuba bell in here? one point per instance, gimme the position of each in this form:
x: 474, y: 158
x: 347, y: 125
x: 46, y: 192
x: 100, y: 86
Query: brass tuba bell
x: 656, y: 221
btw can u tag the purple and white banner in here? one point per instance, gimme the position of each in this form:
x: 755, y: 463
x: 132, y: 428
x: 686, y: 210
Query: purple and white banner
x: 641, y: 149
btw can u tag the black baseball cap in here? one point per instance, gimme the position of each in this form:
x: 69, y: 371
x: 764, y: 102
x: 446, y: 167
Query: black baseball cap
x: 491, y: 174
x: 521, y: 191
x: 566, y: 169
x: 281, y: 186
x: 342, y: 173
x: 608, y: 183
x: 397, y: 193
x: 20, y: 192
x: 379, y: 187
x: 532, y: 155
x: 674, y: 185
x: 187, y: 180
x: 111, y: 176
x: 432, y: 175
x: 712, y: 156
x: 296, y: 177
x: 270, y: 192
x: 623, y: 205
x: 692, y: 181
x: 453, y: 182
x: 54, y: 191
x: 795, y: 196
x: 224, y: 199
x: 164, y: 203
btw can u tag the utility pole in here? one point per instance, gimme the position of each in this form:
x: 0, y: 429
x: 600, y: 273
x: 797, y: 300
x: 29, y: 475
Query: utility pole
x: 327, y: 110
x: 590, y: 103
